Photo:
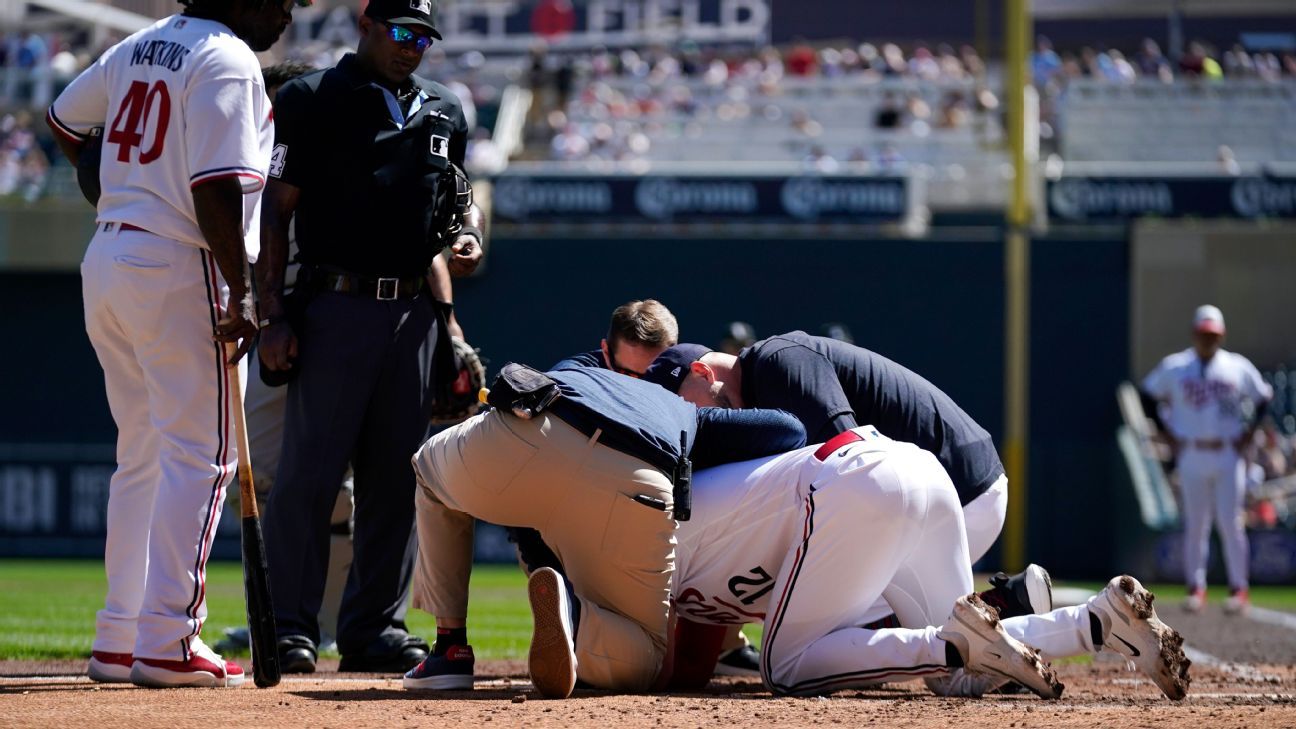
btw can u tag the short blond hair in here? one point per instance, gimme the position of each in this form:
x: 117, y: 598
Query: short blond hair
x: 648, y: 323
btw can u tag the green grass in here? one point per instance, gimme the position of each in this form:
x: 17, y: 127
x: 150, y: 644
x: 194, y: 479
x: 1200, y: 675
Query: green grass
x: 47, y: 607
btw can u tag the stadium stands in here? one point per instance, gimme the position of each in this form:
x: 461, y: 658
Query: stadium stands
x: 1182, y: 121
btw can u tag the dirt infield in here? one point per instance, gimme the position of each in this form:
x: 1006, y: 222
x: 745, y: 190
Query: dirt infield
x: 1099, y: 694
x: 1243, y: 676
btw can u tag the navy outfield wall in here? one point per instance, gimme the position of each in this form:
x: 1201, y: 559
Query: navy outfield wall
x: 934, y: 305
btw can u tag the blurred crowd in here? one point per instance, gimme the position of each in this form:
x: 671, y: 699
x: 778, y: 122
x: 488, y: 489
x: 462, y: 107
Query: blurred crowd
x: 616, y: 104
x: 1271, y: 477
x: 1053, y: 71
x: 34, y: 67
x: 1198, y: 61
x: 611, y: 104
x: 24, y: 157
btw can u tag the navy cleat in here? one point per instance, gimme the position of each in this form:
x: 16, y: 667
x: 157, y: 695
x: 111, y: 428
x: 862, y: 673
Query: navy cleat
x: 450, y: 671
x: 744, y: 661
x: 1029, y: 592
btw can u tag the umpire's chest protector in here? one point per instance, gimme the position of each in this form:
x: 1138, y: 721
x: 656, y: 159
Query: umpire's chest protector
x: 410, y: 174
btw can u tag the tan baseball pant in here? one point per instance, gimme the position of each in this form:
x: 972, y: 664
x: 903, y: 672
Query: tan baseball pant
x: 542, y: 473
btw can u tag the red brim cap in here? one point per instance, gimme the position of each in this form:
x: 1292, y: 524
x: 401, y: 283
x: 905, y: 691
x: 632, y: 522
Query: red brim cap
x: 1210, y: 326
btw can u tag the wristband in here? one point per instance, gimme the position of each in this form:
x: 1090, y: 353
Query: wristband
x: 269, y: 321
x: 474, y: 232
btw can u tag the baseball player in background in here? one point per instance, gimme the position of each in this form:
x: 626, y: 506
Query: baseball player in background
x: 859, y: 518
x: 1200, y: 392
x: 187, y: 137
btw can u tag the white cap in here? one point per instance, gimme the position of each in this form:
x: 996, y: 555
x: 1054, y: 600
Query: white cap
x: 1208, y: 319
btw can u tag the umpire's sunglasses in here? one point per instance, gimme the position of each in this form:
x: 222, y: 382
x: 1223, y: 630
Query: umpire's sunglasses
x: 405, y: 36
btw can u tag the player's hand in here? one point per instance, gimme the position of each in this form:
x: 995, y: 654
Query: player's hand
x: 465, y: 254
x: 238, y: 328
x: 278, y: 348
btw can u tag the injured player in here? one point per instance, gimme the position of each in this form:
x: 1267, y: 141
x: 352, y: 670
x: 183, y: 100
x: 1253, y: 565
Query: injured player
x: 806, y: 541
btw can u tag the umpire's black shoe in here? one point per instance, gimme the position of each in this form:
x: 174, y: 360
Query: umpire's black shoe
x: 1026, y: 593
x: 297, y: 654
x: 407, y: 654
x: 744, y: 661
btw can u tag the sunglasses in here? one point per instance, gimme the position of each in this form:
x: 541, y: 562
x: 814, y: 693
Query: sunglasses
x: 405, y: 36
x: 618, y: 368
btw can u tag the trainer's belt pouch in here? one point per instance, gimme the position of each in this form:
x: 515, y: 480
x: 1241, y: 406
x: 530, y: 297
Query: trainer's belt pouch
x: 523, y: 391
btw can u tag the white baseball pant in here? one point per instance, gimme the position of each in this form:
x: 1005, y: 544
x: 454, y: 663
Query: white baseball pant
x: 151, y: 305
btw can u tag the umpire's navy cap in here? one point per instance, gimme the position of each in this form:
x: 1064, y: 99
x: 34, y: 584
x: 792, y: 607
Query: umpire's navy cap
x: 672, y: 366
x: 404, y: 12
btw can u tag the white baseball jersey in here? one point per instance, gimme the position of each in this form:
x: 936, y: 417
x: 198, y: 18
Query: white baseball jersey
x: 807, y: 542
x: 181, y: 102
x: 1205, y: 399
x: 745, y: 518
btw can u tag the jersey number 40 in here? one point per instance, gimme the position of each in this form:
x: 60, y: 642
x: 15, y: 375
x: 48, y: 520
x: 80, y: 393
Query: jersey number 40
x: 128, y: 129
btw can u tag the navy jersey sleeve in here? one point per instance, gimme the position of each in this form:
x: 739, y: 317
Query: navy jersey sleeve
x: 728, y: 436
x: 593, y: 358
x: 805, y: 384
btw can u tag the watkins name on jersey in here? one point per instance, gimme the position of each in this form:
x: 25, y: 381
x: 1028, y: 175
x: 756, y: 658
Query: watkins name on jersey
x: 159, y: 53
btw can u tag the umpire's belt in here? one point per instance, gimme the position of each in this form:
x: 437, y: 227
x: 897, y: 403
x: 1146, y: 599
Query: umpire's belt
x: 378, y: 287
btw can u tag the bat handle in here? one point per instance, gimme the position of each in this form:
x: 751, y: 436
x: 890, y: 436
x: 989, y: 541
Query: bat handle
x: 247, y: 487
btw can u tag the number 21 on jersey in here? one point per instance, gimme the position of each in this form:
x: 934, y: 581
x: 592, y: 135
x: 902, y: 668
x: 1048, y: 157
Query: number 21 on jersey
x: 142, y: 108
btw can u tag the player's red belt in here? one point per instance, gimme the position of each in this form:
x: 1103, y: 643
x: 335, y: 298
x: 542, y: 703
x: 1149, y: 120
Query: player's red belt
x: 123, y: 226
x: 846, y: 437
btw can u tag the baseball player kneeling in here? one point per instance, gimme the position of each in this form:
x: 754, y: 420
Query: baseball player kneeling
x: 864, y: 517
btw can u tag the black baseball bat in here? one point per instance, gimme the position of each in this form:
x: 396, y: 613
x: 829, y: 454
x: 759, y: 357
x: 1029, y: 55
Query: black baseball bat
x: 256, y: 572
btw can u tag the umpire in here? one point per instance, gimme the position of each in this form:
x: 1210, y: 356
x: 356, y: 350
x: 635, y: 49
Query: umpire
x: 367, y: 158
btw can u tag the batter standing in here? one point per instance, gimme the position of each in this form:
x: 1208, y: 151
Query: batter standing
x: 1201, y: 391
x: 187, y: 137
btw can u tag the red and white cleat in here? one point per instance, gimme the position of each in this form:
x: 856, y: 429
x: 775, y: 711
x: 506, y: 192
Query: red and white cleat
x: 204, y: 669
x: 108, y: 667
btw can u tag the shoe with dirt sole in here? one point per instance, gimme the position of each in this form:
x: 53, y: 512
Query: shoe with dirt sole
x: 960, y: 682
x: 552, y: 660
x: 105, y: 667
x: 975, y: 632
x: 1131, y: 628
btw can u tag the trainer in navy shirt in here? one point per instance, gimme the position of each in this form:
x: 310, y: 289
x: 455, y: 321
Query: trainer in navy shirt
x: 831, y: 386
